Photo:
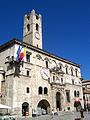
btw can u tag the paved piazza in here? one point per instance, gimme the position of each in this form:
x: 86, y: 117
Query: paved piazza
x: 61, y: 116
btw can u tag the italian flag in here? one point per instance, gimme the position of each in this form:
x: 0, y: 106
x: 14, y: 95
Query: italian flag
x: 22, y: 54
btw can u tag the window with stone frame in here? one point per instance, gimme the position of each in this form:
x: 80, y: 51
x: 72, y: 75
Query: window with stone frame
x: 3, y: 76
x: 28, y: 17
x: 28, y: 56
x: 40, y: 90
x: 61, y: 80
x: 37, y: 27
x: 45, y: 90
x: 73, y: 82
x: 78, y: 93
x: 27, y: 90
x: 76, y: 72
x: 28, y: 72
x: 28, y: 27
x: 53, y: 78
x: 75, y: 93
x: 68, y: 95
x: 37, y: 17
x: 66, y: 70
x: 72, y: 72
x: 46, y: 64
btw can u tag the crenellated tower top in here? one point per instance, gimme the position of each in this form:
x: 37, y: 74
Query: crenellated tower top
x: 32, y: 32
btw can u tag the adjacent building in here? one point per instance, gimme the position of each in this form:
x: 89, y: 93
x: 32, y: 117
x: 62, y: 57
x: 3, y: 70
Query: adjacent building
x: 32, y: 79
x: 86, y: 94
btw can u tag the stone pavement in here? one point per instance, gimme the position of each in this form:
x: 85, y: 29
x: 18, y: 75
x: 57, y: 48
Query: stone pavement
x: 61, y: 116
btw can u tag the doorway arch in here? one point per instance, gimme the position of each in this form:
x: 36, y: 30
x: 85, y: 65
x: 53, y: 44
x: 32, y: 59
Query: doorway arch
x: 58, y: 101
x: 25, y: 108
x: 44, y: 104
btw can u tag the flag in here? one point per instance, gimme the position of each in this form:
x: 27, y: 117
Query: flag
x: 24, y: 51
x: 18, y: 53
x: 21, y: 53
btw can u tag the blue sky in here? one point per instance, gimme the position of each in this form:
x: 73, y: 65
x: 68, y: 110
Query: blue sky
x: 66, y: 27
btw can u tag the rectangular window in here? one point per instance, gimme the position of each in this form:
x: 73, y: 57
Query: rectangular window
x: 53, y: 78
x: 46, y: 64
x: 73, y: 81
x: 77, y: 93
x: 76, y: 73
x: 61, y: 80
x: 28, y: 56
x: 37, y: 27
x: 3, y: 76
x: 68, y: 95
x: 27, y: 73
x: 27, y: 89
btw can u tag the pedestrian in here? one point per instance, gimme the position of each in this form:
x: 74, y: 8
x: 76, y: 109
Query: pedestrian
x: 81, y: 112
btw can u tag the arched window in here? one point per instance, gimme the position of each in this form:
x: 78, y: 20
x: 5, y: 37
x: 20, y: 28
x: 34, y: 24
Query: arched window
x: 45, y: 90
x: 75, y: 94
x: 71, y: 71
x: 28, y: 17
x: 46, y: 64
x: 60, y: 66
x: 66, y: 70
x: 37, y: 27
x: 40, y: 90
x: 28, y: 27
x: 37, y: 17
x: 76, y: 71
x: 53, y: 78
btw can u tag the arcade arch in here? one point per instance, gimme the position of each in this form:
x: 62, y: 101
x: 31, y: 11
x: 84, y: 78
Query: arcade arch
x: 44, y: 104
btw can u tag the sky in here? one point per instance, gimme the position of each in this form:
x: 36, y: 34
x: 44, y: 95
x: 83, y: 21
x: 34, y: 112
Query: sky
x: 66, y: 27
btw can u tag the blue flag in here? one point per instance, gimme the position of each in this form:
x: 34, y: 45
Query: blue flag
x: 18, y: 53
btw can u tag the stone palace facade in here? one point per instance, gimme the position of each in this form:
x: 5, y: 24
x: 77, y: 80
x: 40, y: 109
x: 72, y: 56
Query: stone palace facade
x: 41, y: 80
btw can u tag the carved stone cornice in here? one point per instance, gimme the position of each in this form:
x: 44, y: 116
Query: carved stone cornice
x: 57, y: 86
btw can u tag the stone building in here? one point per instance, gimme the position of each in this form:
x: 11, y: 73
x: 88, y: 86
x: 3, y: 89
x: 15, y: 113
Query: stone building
x: 86, y: 93
x: 41, y: 80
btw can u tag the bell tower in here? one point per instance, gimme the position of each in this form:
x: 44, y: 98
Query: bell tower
x: 32, y: 32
